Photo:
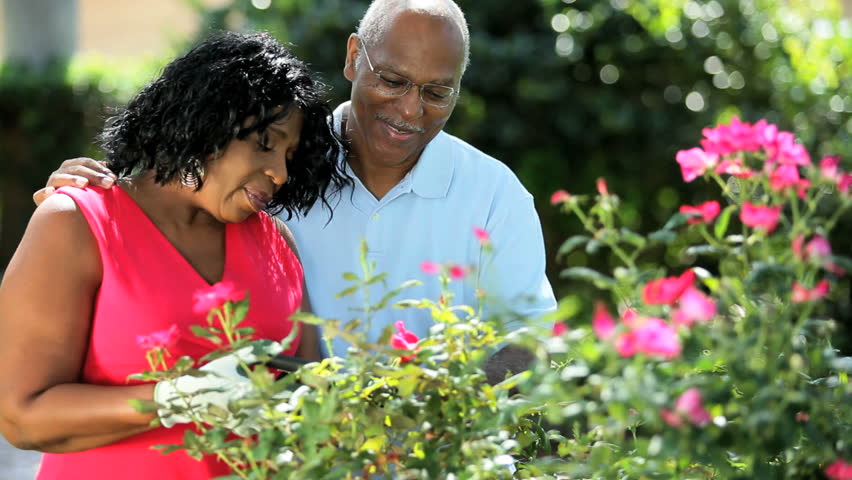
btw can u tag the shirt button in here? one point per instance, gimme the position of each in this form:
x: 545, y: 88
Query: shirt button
x: 375, y: 216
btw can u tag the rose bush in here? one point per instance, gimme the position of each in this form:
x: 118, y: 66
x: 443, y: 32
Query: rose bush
x: 722, y: 367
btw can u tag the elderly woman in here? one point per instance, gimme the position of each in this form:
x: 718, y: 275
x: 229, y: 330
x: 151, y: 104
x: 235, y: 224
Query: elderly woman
x: 233, y: 131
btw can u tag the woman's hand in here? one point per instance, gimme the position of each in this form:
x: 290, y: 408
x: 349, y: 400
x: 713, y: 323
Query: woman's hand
x: 191, y: 396
x: 76, y: 172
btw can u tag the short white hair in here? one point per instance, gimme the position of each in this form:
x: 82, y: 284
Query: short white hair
x: 374, y: 24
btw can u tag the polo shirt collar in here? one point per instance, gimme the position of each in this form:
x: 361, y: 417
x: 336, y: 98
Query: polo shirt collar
x: 433, y: 173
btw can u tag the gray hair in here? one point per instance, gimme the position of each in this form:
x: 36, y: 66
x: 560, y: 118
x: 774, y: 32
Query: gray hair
x: 374, y: 24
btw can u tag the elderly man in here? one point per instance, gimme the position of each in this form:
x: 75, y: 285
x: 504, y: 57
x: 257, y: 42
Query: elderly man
x: 417, y: 191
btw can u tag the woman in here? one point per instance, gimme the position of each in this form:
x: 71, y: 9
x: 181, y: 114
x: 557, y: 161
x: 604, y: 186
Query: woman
x: 230, y: 131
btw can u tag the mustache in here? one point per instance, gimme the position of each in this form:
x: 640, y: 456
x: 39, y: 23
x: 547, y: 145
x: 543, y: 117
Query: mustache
x: 398, y: 124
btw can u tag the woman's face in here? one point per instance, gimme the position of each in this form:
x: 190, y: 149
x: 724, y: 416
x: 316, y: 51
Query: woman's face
x: 244, y: 178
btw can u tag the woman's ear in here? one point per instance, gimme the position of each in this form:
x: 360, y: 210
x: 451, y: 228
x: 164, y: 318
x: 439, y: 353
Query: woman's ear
x: 352, y: 49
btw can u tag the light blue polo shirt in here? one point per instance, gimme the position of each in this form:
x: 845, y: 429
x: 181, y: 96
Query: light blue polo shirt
x: 429, y: 215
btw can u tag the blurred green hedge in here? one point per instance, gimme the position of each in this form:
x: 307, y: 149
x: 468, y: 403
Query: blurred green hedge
x: 47, y: 115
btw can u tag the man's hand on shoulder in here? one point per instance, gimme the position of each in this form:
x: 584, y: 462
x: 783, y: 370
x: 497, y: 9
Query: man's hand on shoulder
x: 76, y: 172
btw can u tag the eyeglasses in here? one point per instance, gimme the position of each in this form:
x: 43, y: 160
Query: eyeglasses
x: 394, y: 85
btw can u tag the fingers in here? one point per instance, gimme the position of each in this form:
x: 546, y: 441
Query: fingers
x: 41, y: 194
x: 81, y: 172
x: 99, y: 168
x: 76, y: 172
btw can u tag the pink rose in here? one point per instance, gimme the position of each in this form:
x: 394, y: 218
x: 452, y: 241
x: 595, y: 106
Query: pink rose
x: 159, y: 339
x: 457, y: 272
x: 602, y: 188
x: 651, y: 336
x: 430, y: 268
x: 844, y: 182
x: 689, y: 406
x: 784, y: 149
x: 818, y: 248
x: 797, y: 246
x: 694, y: 162
x: 559, y: 196
x: 404, y: 340
x: 818, y: 251
x: 693, y: 306
x: 839, y: 470
x: 215, y: 296
x: 734, y: 166
x: 802, y: 294
x: 630, y: 317
x: 625, y: 344
x: 602, y: 322
x: 667, y: 290
x: 784, y: 175
x: 735, y: 137
x: 559, y: 328
x: 765, y: 133
x: 481, y: 235
x: 703, y: 213
x: 755, y: 216
x: 829, y: 167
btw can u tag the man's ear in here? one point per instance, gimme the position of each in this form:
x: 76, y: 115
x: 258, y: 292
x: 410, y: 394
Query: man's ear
x: 352, y: 49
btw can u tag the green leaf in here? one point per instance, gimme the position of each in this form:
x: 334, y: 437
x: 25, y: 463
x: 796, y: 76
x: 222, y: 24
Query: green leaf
x: 396, y: 291
x: 378, y: 278
x: 722, y: 222
x: 351, y: 277
x: 763, y: 273
x: 569, y: 245
x: 632, y: 237
x: 844, y: 262
x: 411, y: 303
x: 347, y: 291
x: 593, y: 246
x: 200, y: 331
x: 698, y: 250
x: 240, y: 312
x: 677, y: 220
x: 662, y: 236
x: 583, y: 273
x: 143, y: 406
x: 306, y: 318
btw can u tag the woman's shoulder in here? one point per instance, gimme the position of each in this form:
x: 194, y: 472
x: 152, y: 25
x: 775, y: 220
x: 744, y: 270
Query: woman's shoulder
x: 272, y: 230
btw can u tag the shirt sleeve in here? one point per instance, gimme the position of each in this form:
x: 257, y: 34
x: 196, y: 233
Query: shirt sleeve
x: 512, y: 274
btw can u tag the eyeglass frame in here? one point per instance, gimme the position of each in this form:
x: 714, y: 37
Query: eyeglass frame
x: 421, y: 86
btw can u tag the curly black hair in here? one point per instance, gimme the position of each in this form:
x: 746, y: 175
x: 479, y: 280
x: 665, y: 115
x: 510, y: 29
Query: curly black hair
x: 227, y: 87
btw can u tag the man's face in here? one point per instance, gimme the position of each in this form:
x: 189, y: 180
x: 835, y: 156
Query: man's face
x: 387, y: 130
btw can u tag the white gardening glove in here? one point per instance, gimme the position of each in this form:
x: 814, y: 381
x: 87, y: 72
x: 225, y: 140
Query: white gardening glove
x: 224, y: 382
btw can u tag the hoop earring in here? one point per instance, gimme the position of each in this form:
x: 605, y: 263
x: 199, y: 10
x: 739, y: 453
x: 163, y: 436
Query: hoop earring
x: 192, y: 175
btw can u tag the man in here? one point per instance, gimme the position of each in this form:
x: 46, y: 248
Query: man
x: 417, y: 191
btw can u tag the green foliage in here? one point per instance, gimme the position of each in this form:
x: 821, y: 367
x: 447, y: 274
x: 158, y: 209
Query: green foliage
x: 769, y: 388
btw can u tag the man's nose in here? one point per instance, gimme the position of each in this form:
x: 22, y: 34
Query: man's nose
x: 410, y: 104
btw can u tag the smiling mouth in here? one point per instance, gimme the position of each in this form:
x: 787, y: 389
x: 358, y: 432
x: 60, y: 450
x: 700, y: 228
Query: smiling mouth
x: 398, y: 131
x: 258, y: 200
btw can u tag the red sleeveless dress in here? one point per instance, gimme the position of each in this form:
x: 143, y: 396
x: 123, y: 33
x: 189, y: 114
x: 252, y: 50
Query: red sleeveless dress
x: 147, y: 286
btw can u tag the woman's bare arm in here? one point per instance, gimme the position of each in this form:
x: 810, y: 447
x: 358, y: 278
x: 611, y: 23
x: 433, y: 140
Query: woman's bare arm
x: 47, y: 297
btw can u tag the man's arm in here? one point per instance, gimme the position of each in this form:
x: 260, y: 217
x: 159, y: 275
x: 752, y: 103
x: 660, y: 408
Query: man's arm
x: 309, y: 344
x: 513, y: 276
x: 76, y: 172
